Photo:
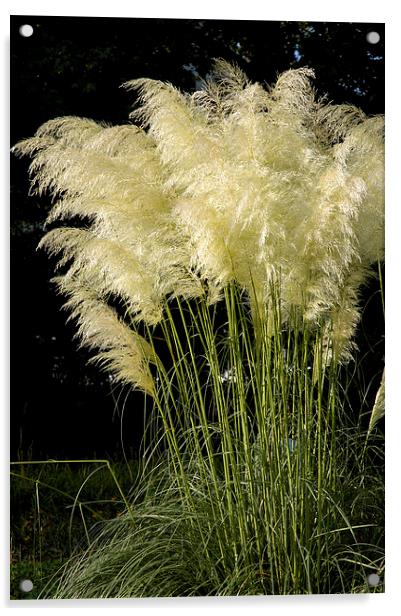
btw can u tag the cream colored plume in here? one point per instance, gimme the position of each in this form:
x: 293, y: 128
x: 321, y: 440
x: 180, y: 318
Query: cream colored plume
x: 232, y: 183
x: 379, y: 405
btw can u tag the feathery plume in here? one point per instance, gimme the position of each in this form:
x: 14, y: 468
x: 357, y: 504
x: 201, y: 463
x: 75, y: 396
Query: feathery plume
x: 232, y: 183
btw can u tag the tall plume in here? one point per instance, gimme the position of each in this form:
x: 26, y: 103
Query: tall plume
x: 232, y: 183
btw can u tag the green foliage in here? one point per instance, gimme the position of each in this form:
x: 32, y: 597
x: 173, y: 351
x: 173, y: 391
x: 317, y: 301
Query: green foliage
x: 38, y: 574
x: 53, y: 507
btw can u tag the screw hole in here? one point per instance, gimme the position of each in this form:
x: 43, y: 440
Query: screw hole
x: 373, y: 579
x: 26, y: 585
x: 373, y: 37
x: 26, y: 30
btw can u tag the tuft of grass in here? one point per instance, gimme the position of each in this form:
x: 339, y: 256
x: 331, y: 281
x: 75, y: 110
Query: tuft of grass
x: 54, y: 505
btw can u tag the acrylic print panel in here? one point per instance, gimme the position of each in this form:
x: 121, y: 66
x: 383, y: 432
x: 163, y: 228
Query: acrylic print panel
x: 206, y: 416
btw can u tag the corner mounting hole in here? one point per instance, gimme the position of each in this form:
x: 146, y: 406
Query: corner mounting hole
x: 373, y: 579
x: 26, y: 30
x: 373, y: 37
x: 26, y: 585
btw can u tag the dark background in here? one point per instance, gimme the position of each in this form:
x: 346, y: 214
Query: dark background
x: 60, y: 407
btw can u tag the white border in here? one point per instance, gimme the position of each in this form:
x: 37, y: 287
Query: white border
x: 307, y: 10
x: 339, y: 10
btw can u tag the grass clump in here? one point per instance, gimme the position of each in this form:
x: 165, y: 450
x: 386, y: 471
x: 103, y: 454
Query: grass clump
x: 217, y: 265
x: 54, y: 506
x: 279, y: 494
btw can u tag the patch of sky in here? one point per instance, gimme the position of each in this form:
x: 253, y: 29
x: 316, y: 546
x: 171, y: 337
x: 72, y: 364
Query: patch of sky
x: 192, y: 69
x: 359, y: 91
x: 374, y: 57
x: 297, y: 53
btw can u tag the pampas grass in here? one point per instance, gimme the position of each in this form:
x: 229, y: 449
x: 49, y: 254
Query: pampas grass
x: 233, y: 183
x: 238, y: 224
